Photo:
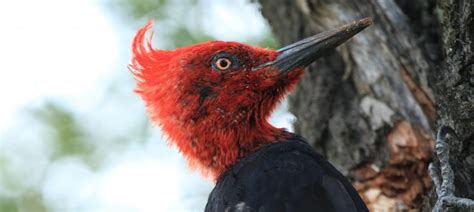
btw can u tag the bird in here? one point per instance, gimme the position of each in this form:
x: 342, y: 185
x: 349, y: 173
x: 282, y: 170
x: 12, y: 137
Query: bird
x: 213, y: 100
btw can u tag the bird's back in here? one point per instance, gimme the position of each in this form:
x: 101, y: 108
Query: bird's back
x: 285, y: 176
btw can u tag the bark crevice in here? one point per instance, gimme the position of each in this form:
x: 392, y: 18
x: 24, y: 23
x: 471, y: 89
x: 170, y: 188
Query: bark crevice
x: 408, y: 73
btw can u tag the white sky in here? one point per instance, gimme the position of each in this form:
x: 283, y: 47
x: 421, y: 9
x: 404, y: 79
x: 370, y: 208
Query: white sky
x: 52, y: 48
x: 57, y: 49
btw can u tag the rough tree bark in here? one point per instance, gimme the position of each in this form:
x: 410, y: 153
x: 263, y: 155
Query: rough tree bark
x: 373, y: 106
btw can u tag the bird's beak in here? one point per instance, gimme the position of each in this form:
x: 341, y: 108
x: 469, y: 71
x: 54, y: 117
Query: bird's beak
x: 306, y: 51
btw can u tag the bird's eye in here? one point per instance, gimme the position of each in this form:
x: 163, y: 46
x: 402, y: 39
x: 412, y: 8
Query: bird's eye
x: 223, y: 63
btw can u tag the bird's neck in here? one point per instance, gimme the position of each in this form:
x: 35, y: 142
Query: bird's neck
x: 212, y: 146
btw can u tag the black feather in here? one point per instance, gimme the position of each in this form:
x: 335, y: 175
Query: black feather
x: 285, y: 176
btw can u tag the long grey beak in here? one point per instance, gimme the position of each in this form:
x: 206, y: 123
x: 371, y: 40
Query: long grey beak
x: 306, y: 51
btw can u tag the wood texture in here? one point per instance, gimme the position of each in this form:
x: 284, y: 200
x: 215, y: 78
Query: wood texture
x: 371, y: 107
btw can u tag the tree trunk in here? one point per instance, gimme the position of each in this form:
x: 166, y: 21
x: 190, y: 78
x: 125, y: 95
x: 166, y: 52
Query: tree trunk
x: 372, y: 107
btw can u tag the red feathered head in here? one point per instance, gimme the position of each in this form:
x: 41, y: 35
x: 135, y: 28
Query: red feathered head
x: 213, y: 99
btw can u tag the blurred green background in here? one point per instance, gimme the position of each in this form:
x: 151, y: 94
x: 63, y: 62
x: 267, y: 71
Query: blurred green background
x: 73, y: 135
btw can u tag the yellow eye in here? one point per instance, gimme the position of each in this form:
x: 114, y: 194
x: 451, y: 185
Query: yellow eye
x: 223, y: 64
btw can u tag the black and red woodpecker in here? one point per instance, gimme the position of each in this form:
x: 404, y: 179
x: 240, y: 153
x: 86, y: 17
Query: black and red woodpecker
x: 213, y: 101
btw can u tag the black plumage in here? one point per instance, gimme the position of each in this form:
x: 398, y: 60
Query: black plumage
x: 284, y: 176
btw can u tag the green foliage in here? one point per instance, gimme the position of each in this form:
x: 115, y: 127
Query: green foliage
x: 182, y: 36
x: 67, y: 135
x: 66, y: 132
x: 146, y: 9
x: 9, y: 179
x: 8, y: 204
x: 268, y: 41
x: 139, y: 9
x: 31, y: 201
x: 177, y: 34
x: 26, y: 202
